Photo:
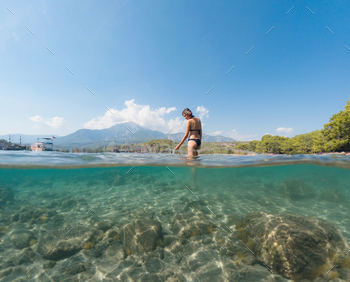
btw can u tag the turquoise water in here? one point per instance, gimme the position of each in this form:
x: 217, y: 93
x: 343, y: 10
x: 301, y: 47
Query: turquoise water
x: 149, y: 217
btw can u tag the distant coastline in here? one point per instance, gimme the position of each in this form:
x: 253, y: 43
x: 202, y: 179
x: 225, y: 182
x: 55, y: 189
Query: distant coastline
x: 334, y: 138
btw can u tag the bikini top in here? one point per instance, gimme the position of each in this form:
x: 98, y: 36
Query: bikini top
x: 199, y: 132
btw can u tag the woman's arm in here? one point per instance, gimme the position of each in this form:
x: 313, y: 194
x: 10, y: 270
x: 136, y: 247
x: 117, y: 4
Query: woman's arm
x: 184, y: 138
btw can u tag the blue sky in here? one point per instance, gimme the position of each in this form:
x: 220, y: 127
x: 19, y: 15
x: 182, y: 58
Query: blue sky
x: 148, y: 60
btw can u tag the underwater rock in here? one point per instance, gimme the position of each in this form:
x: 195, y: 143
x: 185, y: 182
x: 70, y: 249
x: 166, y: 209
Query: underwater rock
x: 168, y: 239
x: 233, y: 219
x: 207, y: 241
x: 141, y: 235
x: 6, y: 272
x: 211, y: 273
x: 255, y: 273
x: 291, y: 245
x: 75, y: 268
x: 344, y: 274
x: 158, y: 253
x: 112, y: 233
x: 197, y: 205
x: 147, y: 277
x: 49, y: 264
x: 25, y: 256
x: 153, y: 265
x: 96, y: 251
x: 115, y: 252
x: 229, y: 267
x: 72, y: 267
x: 21, y: 238
x: 177, y: 277
x: 332, y: 195
x: 199, y: 259
x: 166, y: 212
x: 133, y: 273
x: 228, y: 248
x: 60, y: 244
x: 102, y: 224
x: 164, y: 275
x: 192, y: 224
x: 37, y: 215
x: 6, y: 195
x: 15, y: 259
x: 121, y: 267
x: 295, y: 189
x: 238, y: 252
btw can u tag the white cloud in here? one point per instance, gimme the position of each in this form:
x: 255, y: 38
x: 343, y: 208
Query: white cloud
x: 284, y: 129
x: 235, y: 135
x: 54, y: 122
x: 161, y: 111
x: 267, y: 133
x: 140, y: 114
x: 179, y: 125
x: 288, y: 130
x: 36, y: 118
x: 203, y: 112
x: 217, y: 132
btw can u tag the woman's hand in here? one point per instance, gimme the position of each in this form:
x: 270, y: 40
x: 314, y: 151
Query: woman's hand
x: 177, y: 147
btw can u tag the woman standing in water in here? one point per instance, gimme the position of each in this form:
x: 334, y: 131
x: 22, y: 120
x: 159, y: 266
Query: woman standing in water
x: 194, y: 130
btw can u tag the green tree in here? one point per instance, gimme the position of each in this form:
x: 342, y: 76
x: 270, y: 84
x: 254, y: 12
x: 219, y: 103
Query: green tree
x: 287, y: 146
x: 242, y: 146
x: 269, y: 144
x: 252, y: 145
x: 337, y: 131
x: 319, y: 142
x: 303, y: 143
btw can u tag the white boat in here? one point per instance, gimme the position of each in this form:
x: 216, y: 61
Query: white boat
x: 43, y: 145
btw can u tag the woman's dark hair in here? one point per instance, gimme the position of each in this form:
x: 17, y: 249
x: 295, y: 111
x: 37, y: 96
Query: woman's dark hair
x: 187, y: 111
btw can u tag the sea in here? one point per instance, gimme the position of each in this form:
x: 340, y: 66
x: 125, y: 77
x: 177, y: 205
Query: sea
x: 165, y: 217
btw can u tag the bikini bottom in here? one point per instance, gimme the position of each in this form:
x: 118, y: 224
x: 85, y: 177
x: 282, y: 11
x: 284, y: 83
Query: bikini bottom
x: 198, y: 141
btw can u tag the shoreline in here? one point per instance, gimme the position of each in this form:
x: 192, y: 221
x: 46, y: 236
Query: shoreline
x: 315, y: 154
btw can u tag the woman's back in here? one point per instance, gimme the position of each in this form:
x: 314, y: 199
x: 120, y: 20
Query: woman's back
x: 195, y: 127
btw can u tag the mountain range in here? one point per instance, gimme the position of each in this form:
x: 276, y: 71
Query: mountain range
x: 120, y: 133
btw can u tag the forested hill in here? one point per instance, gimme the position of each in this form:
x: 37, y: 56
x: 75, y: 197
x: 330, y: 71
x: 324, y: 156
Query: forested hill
x: 3, y: 144
x: 334, y: 137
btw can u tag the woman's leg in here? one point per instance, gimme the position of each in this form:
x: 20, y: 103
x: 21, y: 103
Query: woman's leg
x: 196, y: 150
x: 191, y: 148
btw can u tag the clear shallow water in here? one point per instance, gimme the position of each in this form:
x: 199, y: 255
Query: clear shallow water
x: 133, y: 217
